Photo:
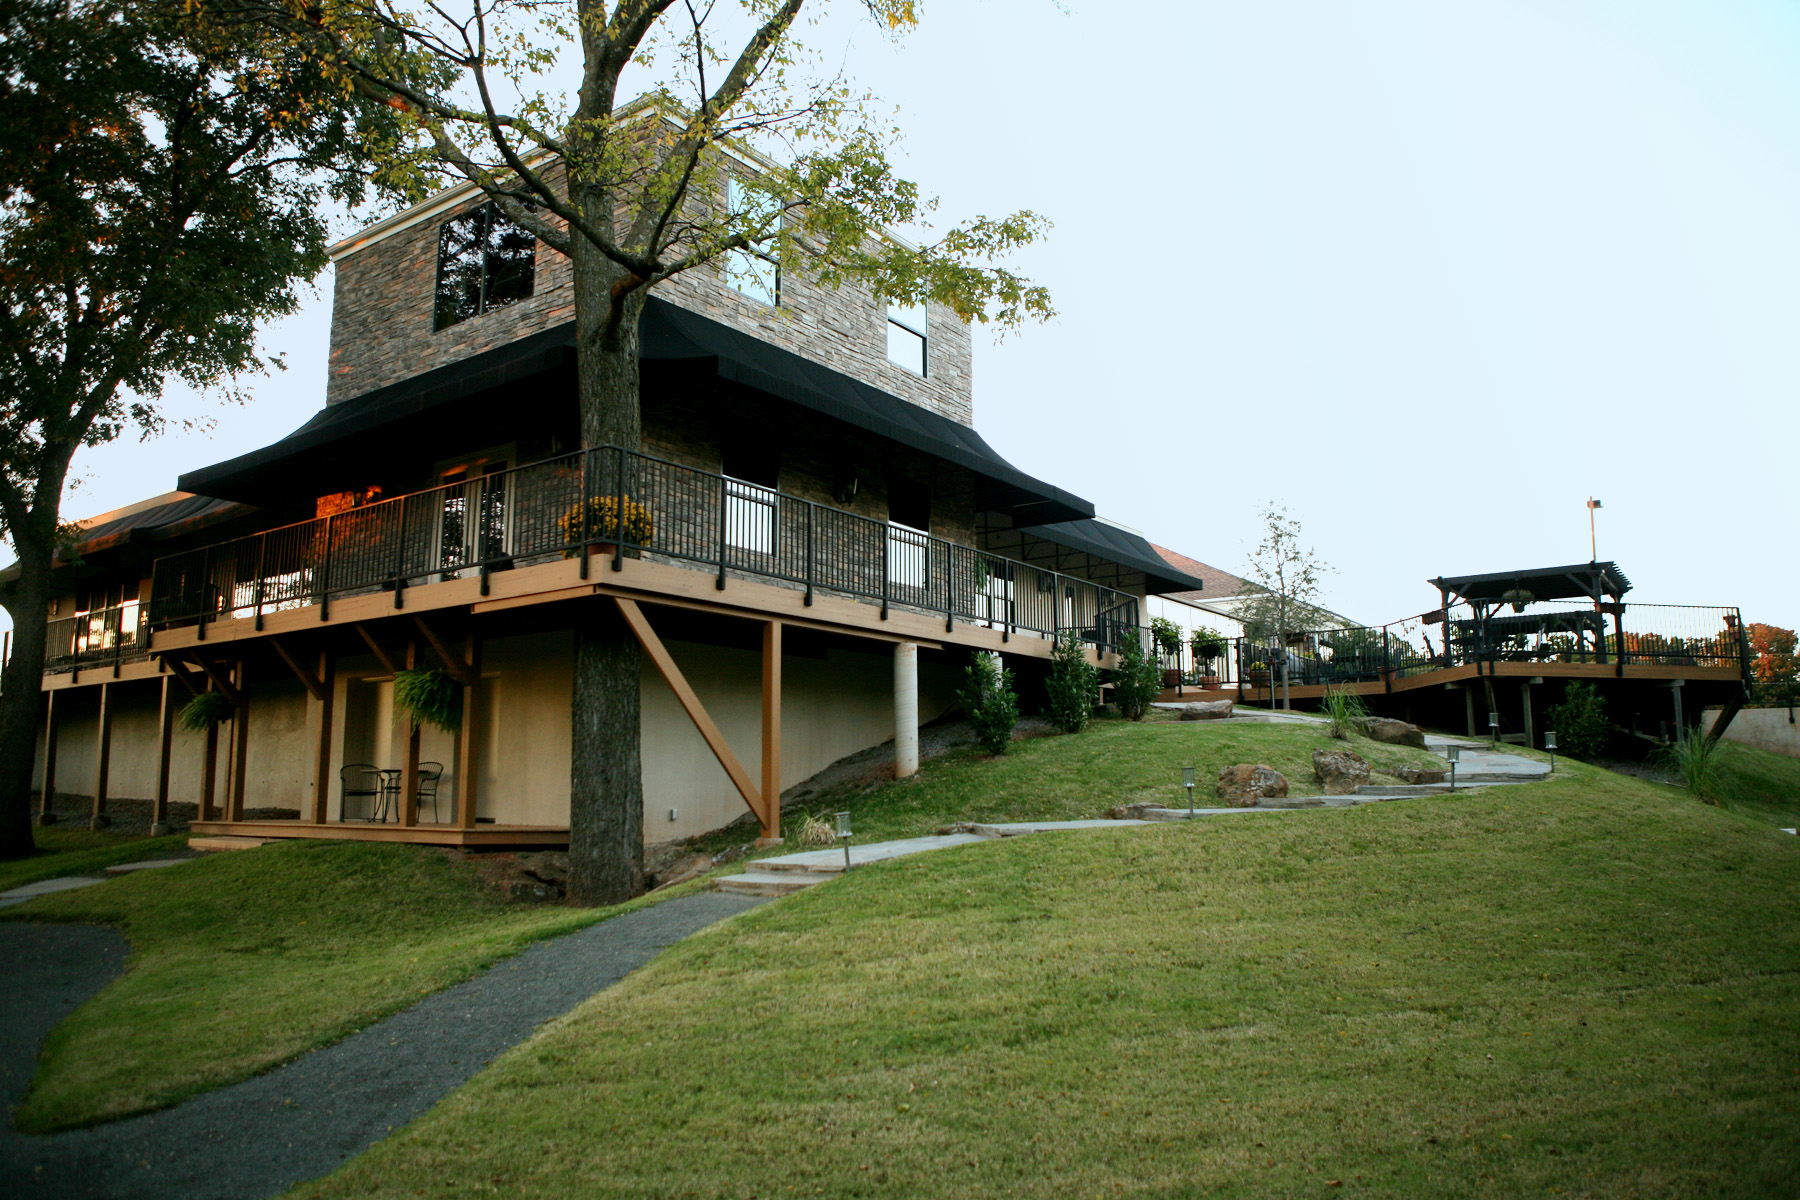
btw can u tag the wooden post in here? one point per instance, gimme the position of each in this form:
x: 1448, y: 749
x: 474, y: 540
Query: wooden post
x: 468, y: 765
x: 1675, y: 691
x: 102, y: 758
x: 47, y: 797
x: 165, y: 740
x: 1530, y: 727
x: 209, y: 774
x: 409, y: 778
x: 321, y: 795
x: 771, y: 735
x: 1469, y: 703
x: 240, y: 747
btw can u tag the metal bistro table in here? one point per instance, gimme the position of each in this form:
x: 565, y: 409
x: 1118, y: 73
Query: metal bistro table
x: 390, y: 795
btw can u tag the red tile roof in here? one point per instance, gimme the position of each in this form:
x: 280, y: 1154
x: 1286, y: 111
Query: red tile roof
x: 1219, y: 584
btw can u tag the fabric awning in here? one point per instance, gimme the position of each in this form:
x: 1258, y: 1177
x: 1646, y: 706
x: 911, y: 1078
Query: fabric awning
x: 667, y: 333
x: 1103, y: 540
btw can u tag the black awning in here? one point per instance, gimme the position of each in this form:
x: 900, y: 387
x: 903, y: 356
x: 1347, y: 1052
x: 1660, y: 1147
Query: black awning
x: 667, y: 333
x: 1581, y: 581
x: 1098, y: 539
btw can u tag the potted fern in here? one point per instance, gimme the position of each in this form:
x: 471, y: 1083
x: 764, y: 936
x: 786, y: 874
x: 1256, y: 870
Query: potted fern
x: 429, y: 697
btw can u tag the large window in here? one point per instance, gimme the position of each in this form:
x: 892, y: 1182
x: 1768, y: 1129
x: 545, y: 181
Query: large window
x: 908, y: 329
x: 752, y: 272
x: 484, y: 262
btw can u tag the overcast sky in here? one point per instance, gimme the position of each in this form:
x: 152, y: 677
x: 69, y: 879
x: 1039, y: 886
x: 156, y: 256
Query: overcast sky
x: 1427, y: 274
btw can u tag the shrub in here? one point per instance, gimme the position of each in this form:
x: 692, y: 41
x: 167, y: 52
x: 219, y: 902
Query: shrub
x: 1073, y: 685
x: 204, y: 711
x: 1579, y: 721
x: 430, y: 697
x: 992, y: 705
x: 1696, y: 757
x: 1166, y: 634
x: 1349, y: 715
x: 1137, y: 680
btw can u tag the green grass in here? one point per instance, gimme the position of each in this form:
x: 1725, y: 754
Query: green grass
x: 1585, y: 987
x: 1080, y: 776
x: 1760, y: 784
x: 244, y: 960
x: 82, y: 852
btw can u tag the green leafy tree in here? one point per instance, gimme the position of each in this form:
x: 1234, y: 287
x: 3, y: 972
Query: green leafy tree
x: 1136, y: 681
x: 1286, y: 579
x: 988, y: 699
x: 1579, y: 721
x: 1073, y: 684
x: 161, y: 192
x: 639, y: 191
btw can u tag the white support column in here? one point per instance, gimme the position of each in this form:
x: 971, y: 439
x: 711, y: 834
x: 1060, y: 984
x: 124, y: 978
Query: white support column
x: 906, y: 709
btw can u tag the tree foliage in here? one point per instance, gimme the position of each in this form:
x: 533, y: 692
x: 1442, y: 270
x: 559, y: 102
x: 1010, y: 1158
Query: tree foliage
x: 161, y: 184
x: 1287, y: 579
x: 1774, y: 653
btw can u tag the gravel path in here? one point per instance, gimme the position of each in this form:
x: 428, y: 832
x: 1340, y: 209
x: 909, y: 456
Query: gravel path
x: 298, y: 1122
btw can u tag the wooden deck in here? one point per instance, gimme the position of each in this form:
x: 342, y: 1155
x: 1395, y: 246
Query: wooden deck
x: 491, y: 836
x: 1644, y: 672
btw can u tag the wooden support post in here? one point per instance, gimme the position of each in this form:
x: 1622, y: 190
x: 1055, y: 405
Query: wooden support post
x: 1525, y: 700
x: 1469, y: 702
x: 102, y: 758
x: 220, y: 681
x: 165, y: 743
x: 771, y: 735
x: 409, y: 778
x: 1675, y: 690
x: 690, y: 703
x: 240, y: 749
x: 321, y: 793
x: 468, y: 766
x: 47, y: 796
x: 386, y: 660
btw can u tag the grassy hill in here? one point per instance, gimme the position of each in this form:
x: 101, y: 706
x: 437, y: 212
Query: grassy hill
x: 1586, y: 987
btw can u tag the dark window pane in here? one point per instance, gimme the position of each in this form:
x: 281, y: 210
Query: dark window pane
x: 484, y: 262
x: 511, y: 260
x: 909, y: 503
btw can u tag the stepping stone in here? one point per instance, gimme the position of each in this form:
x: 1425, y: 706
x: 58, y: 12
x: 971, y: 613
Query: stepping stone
x: 149, y: 864
x: 47, y: 887
x: 1006, y: 829
x: 1796, y: 832
x: 772, y: 883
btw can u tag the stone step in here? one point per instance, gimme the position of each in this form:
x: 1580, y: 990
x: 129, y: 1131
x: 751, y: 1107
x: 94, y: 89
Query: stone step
x: 770, y: 883
x: 1397, y: 790
x: 227, y: 842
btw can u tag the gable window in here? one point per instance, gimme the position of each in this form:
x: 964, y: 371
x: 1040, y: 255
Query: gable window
x: 907, y: 328
x: 751, y: 272
x: 484, y: 262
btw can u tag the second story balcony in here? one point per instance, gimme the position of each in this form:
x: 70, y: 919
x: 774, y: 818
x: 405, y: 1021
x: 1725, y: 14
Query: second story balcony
x: 626, y: 504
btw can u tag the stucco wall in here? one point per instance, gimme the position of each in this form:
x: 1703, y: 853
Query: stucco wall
x: 1764, y: 728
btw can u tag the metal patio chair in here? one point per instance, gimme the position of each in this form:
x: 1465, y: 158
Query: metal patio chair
x: 430, y: 773
x: 360, y: 781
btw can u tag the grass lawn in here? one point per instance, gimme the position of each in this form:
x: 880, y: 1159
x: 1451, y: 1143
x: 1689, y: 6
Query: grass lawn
x: 1761, y: 784
x: 82, y: 852
x: 244, y: 960
x: 1071, y: 778
x: 1586, y: 987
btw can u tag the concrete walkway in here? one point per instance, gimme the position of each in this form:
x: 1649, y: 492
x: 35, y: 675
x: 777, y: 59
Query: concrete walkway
x: 298, y: 1122
x: 65, y: 883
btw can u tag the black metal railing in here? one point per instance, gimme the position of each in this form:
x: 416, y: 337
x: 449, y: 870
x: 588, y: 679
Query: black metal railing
x: 610, y: 497
x: 1671, y: 634
x: 103, y: 635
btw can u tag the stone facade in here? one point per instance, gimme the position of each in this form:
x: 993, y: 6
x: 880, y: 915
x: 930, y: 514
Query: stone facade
x: 383, y: 315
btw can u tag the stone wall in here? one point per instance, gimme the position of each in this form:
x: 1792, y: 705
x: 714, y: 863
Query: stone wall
x: 1764, y: 728
x: 383, y: 313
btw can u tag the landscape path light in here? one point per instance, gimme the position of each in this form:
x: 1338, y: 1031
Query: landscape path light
x: 1494, y: 729
x: 1453, y: 753
x: 1187, y: 781
x: 1550, y: 745
x: 843, y: 832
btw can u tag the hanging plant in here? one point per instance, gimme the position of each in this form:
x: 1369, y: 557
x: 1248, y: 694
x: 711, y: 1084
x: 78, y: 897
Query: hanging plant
x: 430, y: 697
x: 204, y: 711
x: 1517, y: 597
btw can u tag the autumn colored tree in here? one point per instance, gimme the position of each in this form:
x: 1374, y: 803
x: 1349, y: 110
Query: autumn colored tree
x: 1774, y: 653
x: 697, y: 133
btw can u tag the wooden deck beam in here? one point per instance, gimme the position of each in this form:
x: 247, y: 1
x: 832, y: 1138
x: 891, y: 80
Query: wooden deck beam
x: 102, y: 758
x: 165, y: 744
x: 46, y: 797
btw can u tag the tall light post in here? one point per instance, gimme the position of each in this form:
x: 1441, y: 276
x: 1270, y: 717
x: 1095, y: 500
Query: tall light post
x: 1593, y: 542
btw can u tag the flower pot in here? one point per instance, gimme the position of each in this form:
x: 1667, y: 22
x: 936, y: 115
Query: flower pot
x: 1171, y: 678
x: 1211, y: 683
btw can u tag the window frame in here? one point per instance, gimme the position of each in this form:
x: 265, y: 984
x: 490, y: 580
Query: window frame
x: 911, y: 321
x: 742, y: 267
x: 491, y: 220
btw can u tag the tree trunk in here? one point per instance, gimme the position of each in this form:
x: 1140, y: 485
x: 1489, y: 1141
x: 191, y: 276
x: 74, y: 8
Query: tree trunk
x: 606, y: 787
x: 21, y: 695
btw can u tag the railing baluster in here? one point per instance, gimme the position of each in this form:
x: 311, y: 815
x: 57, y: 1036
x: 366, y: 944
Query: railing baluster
x: 618, y: 563
x: 810, y: 506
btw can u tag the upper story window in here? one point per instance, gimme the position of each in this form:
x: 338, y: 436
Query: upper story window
x: 484, y: 262
x: 907, y: 329
x: 748, y: 271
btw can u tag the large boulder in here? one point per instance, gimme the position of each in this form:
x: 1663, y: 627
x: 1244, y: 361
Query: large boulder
x: 1395, y: 733
x: 1246, y: 783
x: 1206, y: 710
x: 1340, y: 771
x: 1412, y: 774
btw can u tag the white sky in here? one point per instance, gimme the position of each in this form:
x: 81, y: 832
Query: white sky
x: 1427, y: 274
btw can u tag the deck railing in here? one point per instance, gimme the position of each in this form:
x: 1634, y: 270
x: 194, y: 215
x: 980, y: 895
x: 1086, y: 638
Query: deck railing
x: 607, y: 497
x: 103, y: 635
x: 1555, y: 632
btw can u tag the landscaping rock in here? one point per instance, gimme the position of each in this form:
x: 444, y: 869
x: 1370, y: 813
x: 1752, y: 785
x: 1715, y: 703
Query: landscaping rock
x: 1395, y: 733
x: 1340, y: 771
x: 688, y: 866
x: 548, y: 866
x: 1412, y: 774
x: 524, y: 888
x: 1206, y: 710
x: 1246, y: 783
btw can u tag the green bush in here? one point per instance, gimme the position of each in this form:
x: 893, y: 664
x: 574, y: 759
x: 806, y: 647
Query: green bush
x: 1137, y: 680
x: 1074, y: 684
x: 430, y: 697
x: 989, y: 700
x: 1579, y: 721
x: 1349, y: 715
